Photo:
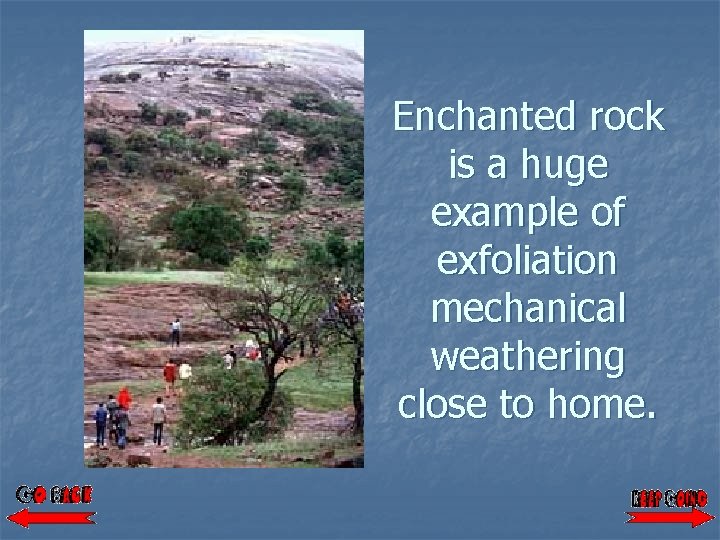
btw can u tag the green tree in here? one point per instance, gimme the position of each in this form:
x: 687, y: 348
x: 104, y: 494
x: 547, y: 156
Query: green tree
x: 337, y: 249
x: 102, y: 242
x: 210, y: 232
x: 275, y: 307
x: 221, y: 405
x: 257, y: 248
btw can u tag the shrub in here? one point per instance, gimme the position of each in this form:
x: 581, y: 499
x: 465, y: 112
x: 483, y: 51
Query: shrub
x: 101, y: 164
x: 175, y: 117
x: 165, y: 169
x: 270, y: 166
x: 194, y: 187
x: 131, y: 162
x: 149, y: 112
x: 319, y: 146
x: 216, y: 400
x: 110, y: 143
x: 266, y: 143
x: 202, y: 112
x: 257, y: 248
x: 209, y: 231
x: 294, y: 187
x: 245, y: 176
x: 337, y: 249
x: 140, y: 140
x: 134, y: 76
x: 356, y: 190
x: 173, y: 140
x: 212, y: 153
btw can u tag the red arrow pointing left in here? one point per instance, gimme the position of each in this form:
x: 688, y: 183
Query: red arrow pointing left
x: 26, y: 518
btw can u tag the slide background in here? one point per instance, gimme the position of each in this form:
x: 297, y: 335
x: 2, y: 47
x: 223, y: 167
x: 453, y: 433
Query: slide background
x: 472, y: 478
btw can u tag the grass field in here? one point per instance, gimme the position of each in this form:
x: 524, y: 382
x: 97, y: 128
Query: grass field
x: 328, y: 390
x: 114, y: 279
x: 293, y: 453
x: 137, y: 388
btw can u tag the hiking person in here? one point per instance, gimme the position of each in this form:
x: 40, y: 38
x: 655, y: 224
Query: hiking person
x: 232, y: 353
x: 228, y: 361
x: 185, y: 371
x: 112, y: 406
x: 123, y: 422
x: 124, y: 398
x: 158, y: 418
x: 302, y: 346
x: 169, y: 375
x: 314, y: 342
x: 175, y: 332
x: 101, y: 415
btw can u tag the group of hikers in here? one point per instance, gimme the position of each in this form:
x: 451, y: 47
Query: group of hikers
x: 115, y: 415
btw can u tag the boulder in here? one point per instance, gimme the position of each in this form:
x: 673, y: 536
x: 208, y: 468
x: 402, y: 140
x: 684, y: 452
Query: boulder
x: 136, y: 460
x: 265, y: 183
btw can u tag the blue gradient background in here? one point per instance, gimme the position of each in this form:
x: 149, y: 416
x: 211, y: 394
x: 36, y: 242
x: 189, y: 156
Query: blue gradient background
x: 439, y: 479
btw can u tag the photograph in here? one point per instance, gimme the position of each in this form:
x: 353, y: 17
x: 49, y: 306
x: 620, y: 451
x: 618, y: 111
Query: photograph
x: 224, y: 248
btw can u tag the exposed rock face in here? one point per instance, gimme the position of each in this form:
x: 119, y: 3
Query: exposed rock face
x: 127, y: 331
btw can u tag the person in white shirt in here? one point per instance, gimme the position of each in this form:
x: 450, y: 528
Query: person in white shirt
x: 175, y: 335
x: 185, y: 371
x: 158, y: 418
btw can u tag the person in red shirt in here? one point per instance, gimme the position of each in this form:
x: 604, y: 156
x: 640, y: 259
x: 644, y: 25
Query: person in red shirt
x: 169, y: 375
x: 124, y: 399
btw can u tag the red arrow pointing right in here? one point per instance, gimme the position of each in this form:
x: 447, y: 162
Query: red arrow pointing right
x: 25, y: 518
x: 695, y: 516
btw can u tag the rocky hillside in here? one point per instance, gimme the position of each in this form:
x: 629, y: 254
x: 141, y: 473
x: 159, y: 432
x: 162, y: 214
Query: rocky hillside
x: 270, y: 132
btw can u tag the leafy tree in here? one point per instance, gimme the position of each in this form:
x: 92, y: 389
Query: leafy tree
x: 210, y: 232
x: 102, y: 242
x: 336, y: 248
x: 275, y: 307
x: 257, y: 248
x: 222, y: 404
x: 345, y: 325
